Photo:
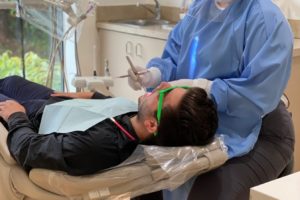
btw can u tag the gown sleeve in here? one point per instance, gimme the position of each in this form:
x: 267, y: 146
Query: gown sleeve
x: 266, y: 59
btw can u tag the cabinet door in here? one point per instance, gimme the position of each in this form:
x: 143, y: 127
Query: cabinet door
x: 146, y: 48
x: 115, y: 46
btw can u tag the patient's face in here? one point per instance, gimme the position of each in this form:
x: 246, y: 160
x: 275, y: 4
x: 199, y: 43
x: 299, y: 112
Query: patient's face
x: 148, y: 102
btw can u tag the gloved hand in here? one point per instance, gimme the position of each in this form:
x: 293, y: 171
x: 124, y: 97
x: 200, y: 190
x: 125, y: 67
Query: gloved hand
x: 200, y: 82
x: 149, y: 79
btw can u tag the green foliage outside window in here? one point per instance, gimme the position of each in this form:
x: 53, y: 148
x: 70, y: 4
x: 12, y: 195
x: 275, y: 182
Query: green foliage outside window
x: 10, y: 35
x: 36, y: 68
x: 37, y: 46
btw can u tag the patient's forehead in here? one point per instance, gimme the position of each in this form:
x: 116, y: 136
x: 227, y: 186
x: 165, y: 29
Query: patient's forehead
x: 173, y: 97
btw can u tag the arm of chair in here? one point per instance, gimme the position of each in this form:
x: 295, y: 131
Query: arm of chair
x: 3, y: 146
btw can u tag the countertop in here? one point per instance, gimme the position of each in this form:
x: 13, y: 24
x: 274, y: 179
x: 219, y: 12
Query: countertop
x: 155, y: 31
x: 274, y: 189
x: 159, y: 32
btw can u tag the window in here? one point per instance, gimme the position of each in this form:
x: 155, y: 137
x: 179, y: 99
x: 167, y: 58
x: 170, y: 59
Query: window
x: 26, y: 50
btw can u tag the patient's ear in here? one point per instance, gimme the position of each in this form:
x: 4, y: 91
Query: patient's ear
x: 151, y: 125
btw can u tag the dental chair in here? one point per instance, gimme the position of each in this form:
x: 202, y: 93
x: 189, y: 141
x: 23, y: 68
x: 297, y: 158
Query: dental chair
x: 148, y: 169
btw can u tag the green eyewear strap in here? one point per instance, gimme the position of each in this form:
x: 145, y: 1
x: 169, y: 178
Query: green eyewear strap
x: 161, y: 100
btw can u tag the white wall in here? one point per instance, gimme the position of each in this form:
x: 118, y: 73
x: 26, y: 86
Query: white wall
x: 87, y: 38
x: 291, y: 8
x: 86, y: 44
x: 174, y: 3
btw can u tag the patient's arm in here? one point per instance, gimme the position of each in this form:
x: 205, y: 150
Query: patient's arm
x: 75, y: 95
x: 80, y: 95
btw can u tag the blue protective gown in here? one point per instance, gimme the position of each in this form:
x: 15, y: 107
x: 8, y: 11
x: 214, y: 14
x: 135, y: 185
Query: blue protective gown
x: 246, y: 50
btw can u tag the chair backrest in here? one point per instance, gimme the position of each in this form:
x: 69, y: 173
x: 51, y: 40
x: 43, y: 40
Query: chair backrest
x: 3, y: 146
x: 145, y: 175
x: 161, y: 168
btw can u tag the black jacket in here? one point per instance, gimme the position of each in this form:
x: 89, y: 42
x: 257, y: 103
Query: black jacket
x: 78, y: 153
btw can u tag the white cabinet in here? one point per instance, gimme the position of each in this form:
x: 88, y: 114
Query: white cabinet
x: 115, y: 46
x: 286, y: 187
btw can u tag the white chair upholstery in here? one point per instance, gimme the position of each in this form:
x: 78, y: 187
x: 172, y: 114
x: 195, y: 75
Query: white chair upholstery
x: 126, y: 181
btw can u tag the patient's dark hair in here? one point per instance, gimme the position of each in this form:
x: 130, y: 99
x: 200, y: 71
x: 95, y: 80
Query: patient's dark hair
x: 194, y: 122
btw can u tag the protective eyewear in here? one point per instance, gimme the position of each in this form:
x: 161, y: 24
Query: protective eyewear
x: 162, y: 94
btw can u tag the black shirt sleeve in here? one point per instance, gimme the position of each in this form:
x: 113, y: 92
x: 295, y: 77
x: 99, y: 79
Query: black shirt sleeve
x: 98, y: 95
x: 31, y: 149
x: 78, y: 153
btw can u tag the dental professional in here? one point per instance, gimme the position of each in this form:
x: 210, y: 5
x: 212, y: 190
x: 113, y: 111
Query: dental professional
x: 240, y: 52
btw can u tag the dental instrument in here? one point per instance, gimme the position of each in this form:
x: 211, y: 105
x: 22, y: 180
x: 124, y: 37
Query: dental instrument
x: 131, y: 65
x: 127, y: 75
x: 94, y: 83
x: 135, y: 71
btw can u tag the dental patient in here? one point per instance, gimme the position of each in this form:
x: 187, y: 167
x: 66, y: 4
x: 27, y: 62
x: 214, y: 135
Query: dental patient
x: 169, y: 116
